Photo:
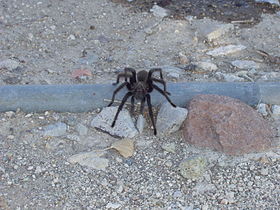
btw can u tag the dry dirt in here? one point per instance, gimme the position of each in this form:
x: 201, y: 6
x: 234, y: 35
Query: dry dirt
x: 50, y: 39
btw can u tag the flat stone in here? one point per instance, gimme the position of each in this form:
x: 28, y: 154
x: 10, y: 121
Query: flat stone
x: 90, y: 159
x: 89, y: 59
x: 170, y: 119
x: 218, y: 31
x: 225, y: 124
x: 124, y: 126
x: 228, y: 77
x: 113, y: 206
x: 171, y: 69
x: 212, y: 31
x: 202, y: 188
x: 225, y: 50
x: 245, y: 64
x: 9, y: 64
x: 57, y: 129
x: 159, y: 11
x: 82, y: 130
x: 193, y: 167
x: 173, y: 75
x: 169, y: 147
x: 207, y: 66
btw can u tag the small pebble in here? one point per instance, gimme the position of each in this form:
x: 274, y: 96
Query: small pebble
x: 262, y: 109
x: 264, y: 171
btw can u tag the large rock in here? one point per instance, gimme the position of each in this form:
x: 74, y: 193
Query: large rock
x: 226, y: 124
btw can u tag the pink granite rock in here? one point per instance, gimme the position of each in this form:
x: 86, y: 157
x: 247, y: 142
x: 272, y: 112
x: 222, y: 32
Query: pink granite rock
x: 226, y: 124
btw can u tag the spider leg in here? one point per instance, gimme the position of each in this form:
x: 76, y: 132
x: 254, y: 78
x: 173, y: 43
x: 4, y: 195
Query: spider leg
x: 162, y: 82
x: 163, y: 93
x: 120, y: 75
x: 151, y: 112
x: 133, y: 72
x: 127, y: 95
x: 117, y: 90
x: 155, y: 70
x: 142, y: 105
x: 132, y: 105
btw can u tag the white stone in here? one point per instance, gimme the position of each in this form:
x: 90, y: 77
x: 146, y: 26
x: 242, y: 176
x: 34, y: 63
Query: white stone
x: 219, y: 31
x: 9, y: 64
x: 171, y: 69
x: 245, y: 64
x: 264, y: 171
x: 159, y: 11
x: 90, y: 159
x: 207, y: 66
x: 225, y: 50
x: 262, y: 109
x: 124, y: 126
x: 173, y: 75
x: 10, y: 114
x: 71, y: 37
x: 170, y: 119
x: 229, y: 77
x: 113, y: 206
x: 169, y: 147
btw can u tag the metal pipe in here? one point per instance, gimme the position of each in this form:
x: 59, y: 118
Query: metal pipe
x: 83, y: 98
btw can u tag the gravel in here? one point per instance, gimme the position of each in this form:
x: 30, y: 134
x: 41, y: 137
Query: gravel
x: 42, y: 42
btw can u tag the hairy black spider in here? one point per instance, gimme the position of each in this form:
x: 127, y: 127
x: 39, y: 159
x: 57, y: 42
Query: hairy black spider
x: 139, y: 86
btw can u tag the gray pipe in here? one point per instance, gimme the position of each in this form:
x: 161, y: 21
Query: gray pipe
x: 83, y: 98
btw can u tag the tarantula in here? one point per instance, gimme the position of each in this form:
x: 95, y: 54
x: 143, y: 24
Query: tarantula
x: 139, y: 86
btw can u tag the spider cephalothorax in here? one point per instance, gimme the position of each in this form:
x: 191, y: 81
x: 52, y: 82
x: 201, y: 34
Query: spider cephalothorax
x: 139, y: 86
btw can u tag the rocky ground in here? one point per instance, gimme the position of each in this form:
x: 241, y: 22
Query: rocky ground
x: 49, y: 42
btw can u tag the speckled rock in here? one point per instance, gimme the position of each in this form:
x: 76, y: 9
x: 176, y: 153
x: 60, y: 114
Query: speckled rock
x: 193, y: 167
x: 226, y: 124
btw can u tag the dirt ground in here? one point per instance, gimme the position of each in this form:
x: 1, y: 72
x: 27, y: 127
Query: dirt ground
x: 48, y: 40
x: 225, y: 11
